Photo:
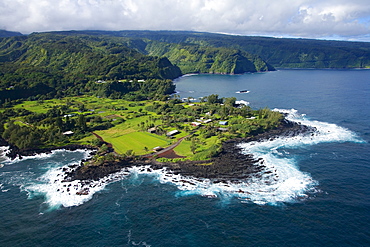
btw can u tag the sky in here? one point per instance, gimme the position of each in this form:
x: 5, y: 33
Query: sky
x: 318, y: 19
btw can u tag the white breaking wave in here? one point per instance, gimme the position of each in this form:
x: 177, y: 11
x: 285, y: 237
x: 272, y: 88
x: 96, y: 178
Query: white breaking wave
x: 41, y: 156
x: 187, y: 75
x: 58, y: 191
x: 327, y: 132
x: 242, y: 102
x: 284, y: 181
x: 4, y: 150
x: 45, y: 184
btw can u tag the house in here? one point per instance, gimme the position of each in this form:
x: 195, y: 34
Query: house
x: 196, y: 124
x: 223, y: 129
x: 67, y: 133
x: 207, y: 121
x: 100, y: 81
x: 156, y: 149
x: 223, y: 123
x: 152, y: 130
x: 173, y: 132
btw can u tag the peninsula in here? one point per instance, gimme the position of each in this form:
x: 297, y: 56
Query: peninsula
x: 195, y: 139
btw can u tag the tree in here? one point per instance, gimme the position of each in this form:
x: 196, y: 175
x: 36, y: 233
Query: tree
x: 81, y: 122
x: 213, y: 99
x: 230, y: 102
x: 194, y: 145
x: 59, y: 123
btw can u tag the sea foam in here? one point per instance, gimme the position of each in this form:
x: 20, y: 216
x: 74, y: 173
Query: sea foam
x: 58, y: 191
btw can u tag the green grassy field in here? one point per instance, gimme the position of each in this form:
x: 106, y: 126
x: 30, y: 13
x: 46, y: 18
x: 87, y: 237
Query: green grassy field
x: 183, y: 149
x: 136, y: 141
x: 39, y: 107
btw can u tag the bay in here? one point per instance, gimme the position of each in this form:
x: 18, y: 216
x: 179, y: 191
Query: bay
x: 143, y: 210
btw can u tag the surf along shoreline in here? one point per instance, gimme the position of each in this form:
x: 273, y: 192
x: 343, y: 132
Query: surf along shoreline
x: 230, y: 165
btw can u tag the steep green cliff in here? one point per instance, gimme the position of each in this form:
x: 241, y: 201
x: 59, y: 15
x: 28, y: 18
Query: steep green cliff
x: 201, y: 59
x: 192, y: 57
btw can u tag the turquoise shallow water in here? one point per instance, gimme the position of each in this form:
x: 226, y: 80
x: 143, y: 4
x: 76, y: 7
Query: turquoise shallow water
x: 321, y: 199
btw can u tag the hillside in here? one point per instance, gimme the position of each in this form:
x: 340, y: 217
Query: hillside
x: 193, y: 58
x: 190, y: 57
x: 60, y: 65
x: 278, y: 52
x: 4, y: 33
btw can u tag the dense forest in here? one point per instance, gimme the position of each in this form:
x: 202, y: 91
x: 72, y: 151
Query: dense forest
x: 41, y: 66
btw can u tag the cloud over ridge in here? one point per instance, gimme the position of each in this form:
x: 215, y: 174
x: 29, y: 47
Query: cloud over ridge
x: 292, y: 18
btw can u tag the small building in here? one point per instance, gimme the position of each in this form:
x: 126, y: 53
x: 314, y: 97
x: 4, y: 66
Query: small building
x: 152, y: 130
x: 251, y: 118
x: 223, y: 129
x: 223, y: 123
x: 157, y: 149
x: 100, y: 81
x: 207, y: 121
x: 67, y: 133
x: 173, y: 132
x: 196, y: 124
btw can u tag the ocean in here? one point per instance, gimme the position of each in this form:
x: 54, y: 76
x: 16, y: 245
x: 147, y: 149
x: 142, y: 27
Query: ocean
x: 317, y: 193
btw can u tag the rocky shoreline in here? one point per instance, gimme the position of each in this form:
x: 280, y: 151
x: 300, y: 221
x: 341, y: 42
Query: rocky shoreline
x: 230, y: 164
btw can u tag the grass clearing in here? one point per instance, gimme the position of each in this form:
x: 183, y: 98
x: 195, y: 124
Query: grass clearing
x: 136, y: 141
x: 183, y: 149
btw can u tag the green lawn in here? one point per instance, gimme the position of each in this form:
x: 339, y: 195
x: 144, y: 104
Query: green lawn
x: 37, y: 107
x: 136, y: 141
x: 183, y: 149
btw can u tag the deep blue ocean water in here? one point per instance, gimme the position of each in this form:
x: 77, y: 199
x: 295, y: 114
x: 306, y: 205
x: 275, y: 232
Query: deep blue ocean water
x: 320, y: 199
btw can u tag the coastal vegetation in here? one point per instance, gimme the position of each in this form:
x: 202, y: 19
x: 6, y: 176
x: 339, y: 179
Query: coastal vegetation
x: 134, y: 127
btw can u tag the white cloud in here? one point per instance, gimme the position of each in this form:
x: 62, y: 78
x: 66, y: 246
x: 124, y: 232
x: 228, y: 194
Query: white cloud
x: 294, y: 18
